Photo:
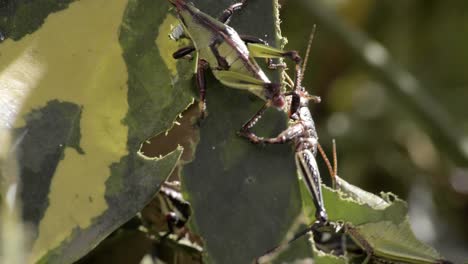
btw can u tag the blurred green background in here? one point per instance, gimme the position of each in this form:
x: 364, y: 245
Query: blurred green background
x: 385, y: 141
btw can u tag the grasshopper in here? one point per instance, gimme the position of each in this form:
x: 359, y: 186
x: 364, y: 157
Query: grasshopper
x: 230, y: 56
x: 301, y: 131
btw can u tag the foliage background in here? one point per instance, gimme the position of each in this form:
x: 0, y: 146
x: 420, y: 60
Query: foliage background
x: 381, y: 142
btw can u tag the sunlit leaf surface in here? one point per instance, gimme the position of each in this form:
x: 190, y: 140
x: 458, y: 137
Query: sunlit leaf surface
x: 83, y: 94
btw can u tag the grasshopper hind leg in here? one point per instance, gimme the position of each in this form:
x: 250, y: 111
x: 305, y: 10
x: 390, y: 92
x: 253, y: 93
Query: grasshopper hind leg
x: 228, y: 12
x: 271, y: 64
x: 260, y: 50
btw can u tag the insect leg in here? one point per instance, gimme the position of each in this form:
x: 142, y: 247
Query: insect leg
x: 246, y: 82
x: 260, y: 50
x: 228, y: 12
x: 253, y: 39
x: 307, y: 165
x: 180, y: 53
x: 222, y: 63
x: 201, y: 84
x: 263, y: 51
x: 287, y: 135
x: 333, y: 170
x: 245, y: 130
x: 361, y: 241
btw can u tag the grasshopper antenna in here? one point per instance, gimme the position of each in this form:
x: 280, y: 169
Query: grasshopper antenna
x: 306, y: 58
x: 335, y: 160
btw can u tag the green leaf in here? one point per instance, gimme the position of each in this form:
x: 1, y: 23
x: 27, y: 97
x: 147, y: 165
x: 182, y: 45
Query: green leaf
x: 396, y: 242
x: 24, y: 17
x: 82, y: 94
x: 378, y: 224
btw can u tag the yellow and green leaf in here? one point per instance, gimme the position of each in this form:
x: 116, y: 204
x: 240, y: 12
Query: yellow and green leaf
x: 83, y: 90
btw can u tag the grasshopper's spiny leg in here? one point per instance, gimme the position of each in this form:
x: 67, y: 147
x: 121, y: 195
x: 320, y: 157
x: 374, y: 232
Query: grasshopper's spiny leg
x: 274, y: 66
x: 287, y: 135
x: 335, y: 159
x: 258, y: 140
x: 180, y: 53
x: 245, y: 130
x: 201, y: 84
x: 228, y: 12
x: 294, y: 56
x: 327, y: 162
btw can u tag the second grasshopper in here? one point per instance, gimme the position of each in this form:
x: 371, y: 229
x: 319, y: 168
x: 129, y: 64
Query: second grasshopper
x: 302, y: 133
x: 230, y: 56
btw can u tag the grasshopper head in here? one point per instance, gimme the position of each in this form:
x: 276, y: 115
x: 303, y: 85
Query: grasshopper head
x: 278, y: 101
x: 274, y: 94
